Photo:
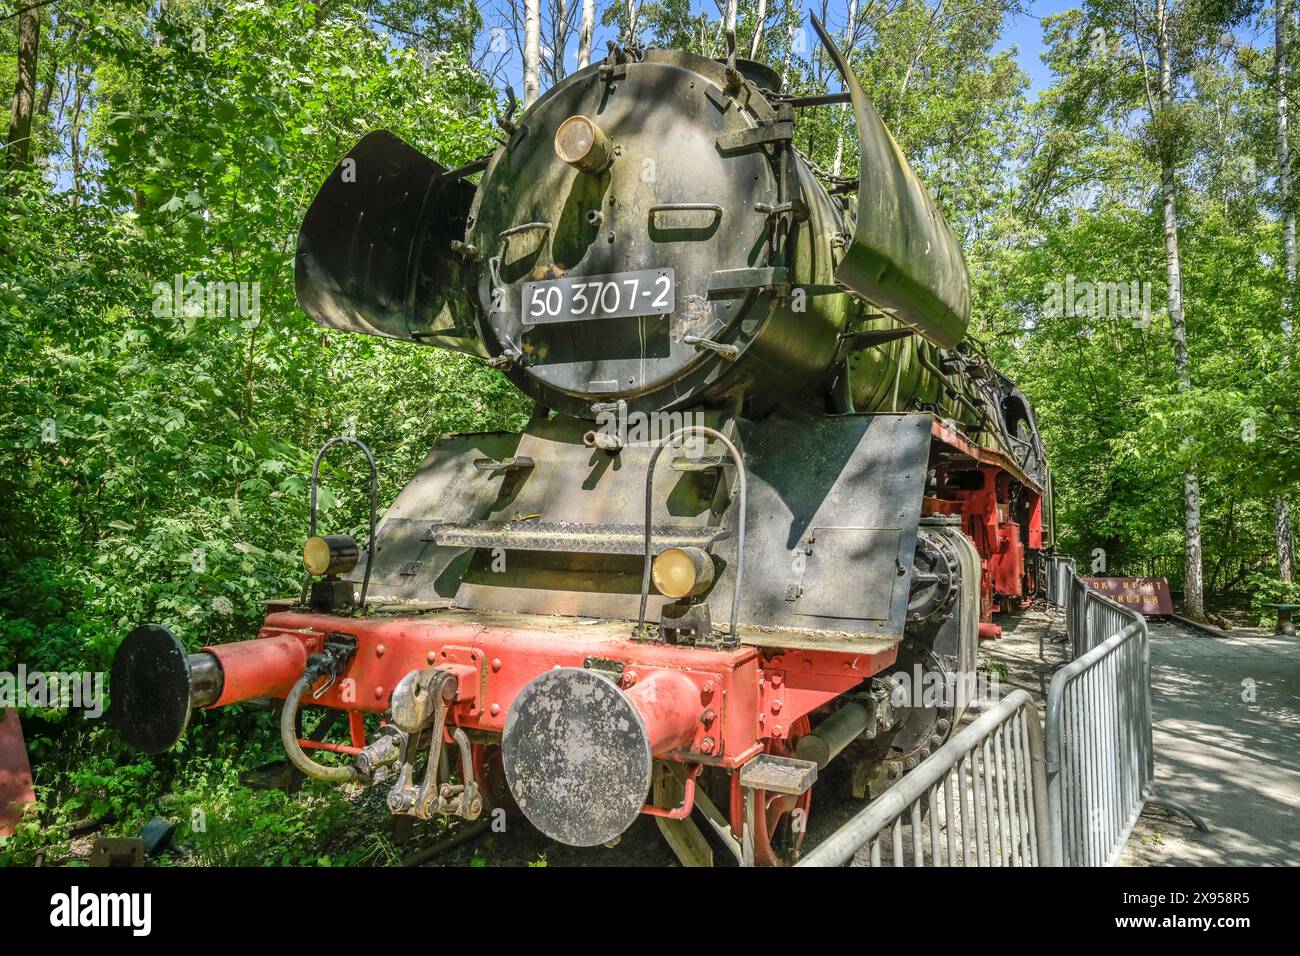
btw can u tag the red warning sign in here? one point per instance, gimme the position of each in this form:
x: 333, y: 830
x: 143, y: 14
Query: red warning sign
x: 1148, y: 595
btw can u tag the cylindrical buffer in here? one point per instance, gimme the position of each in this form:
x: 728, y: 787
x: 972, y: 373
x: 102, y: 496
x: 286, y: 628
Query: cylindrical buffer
x: 155, y: 684
x: 833, y: 734
x: 578, y: 752
x: 669, y: 703
x: 265, y: 667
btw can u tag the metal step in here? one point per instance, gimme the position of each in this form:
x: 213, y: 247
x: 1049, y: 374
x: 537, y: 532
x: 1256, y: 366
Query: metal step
x: 571, y: 536
x: 773, y: 774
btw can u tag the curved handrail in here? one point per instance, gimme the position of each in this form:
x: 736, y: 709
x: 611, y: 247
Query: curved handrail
x: 734, y: 635
x: 374, y: 499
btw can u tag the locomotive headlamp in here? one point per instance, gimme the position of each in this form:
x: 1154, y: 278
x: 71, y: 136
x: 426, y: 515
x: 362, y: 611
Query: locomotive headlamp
x: 682, y: 572
x: 583, y: 145
x: 330, y: 554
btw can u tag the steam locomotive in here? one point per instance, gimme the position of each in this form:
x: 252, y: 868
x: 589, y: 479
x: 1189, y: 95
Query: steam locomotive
x: 768, y: 482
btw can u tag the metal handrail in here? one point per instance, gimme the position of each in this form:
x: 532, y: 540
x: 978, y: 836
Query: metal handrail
x: 734, y: 636
x: 1116, y: 782
x: 374, y: 501
x: 1011, y: 789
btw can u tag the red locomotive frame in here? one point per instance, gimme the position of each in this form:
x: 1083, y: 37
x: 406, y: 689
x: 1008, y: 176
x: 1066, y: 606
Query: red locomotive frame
x: 701, y: 707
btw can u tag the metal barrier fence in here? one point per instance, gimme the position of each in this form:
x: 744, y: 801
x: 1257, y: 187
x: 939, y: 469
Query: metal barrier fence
x: 1005, y: 791
x: 1059, y: 572
x: 1100, y: 760
x: 1100, y: 754
x: 979, y: 800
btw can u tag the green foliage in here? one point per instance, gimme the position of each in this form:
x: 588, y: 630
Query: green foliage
x: 153, y: 463
x: 1266, y: 589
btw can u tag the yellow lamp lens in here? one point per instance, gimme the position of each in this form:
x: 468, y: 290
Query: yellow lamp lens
x: 316, y: 555
x: 581, y: 143
x: 574, y: 138
x: 674, y: 573
x: 330, y: 554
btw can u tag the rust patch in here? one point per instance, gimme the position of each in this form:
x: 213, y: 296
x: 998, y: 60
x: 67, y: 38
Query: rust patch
x: 694, y: 317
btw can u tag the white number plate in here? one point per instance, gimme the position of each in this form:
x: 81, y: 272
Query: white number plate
x: 623, y: 294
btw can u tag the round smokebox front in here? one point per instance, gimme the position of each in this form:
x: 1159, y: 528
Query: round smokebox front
x: 577, y: 756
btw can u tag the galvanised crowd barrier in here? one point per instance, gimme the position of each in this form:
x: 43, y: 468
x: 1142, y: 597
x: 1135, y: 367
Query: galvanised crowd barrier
x: 1100, y: 754
x: 979, y: 800
x: 1059, y: 573
x: 1005, y: 791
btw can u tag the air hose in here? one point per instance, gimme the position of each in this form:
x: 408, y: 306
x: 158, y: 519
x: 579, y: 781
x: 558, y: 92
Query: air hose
x: 318, y: 665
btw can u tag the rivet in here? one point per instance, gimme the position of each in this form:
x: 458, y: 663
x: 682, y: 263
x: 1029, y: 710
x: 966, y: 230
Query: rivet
x: 379, y: 650
x: 494, y: 709
x: 776, y: 707
x: 379, y: 693
x: 496, y: 664
x: 431, y: 656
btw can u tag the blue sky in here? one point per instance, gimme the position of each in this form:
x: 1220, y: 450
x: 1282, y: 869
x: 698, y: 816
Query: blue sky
x: 1024, y: 31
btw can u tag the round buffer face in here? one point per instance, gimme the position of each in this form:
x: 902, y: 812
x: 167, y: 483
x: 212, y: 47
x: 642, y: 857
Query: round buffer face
x: 577, y: 756
x: 150, y: 689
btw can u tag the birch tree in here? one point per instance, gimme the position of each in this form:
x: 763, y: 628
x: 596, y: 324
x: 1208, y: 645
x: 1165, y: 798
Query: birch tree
x: 760, y: 21
x: 532, y: 51
x: 1282, y: 529
x: 849, y: 42
x: 585, y: 33
x: 1161, y: 108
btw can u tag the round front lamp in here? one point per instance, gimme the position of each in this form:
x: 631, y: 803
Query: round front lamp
x: 330, y: 554
x: 682, y: 572
x: 583, y: 145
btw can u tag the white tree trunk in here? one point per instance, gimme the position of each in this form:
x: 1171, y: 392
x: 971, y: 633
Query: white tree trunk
x: 1193, y: 586
x: 532, y: 51
x: 760, y: 20
x: 850, y: 28
x: 631, y: 20
x: 789, y: 52
x: 585, y: 32
x: 1282, y: 527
